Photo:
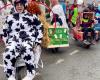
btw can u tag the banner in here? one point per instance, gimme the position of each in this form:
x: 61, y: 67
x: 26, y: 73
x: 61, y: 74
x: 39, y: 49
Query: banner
x: 59, y: 37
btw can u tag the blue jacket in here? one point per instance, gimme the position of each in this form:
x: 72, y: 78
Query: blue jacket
x: 98, y: 14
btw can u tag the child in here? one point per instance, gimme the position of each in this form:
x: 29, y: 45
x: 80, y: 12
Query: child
x: 87, y: 27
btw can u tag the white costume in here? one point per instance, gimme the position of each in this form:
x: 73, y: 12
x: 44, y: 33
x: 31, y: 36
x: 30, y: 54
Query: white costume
x: 57, y: 9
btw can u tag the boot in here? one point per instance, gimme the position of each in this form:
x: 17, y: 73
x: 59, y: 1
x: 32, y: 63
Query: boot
x: 29, y: 76
x: 11, y: 78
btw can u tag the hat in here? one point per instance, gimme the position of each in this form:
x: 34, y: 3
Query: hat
x: 23, y: 2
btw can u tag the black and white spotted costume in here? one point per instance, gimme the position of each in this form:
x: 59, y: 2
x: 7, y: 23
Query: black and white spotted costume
x: 20, y: 32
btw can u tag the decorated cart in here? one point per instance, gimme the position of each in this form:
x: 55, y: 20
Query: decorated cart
x: 78, y: 34
x: 58, y: 37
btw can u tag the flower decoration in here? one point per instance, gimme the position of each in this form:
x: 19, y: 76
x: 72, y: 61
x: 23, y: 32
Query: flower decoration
x: 33, y: 8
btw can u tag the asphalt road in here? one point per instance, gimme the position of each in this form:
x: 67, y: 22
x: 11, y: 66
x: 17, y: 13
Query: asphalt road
x: 73, y: 63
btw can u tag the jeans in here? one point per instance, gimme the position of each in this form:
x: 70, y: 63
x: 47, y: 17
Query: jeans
x: 86, y: 30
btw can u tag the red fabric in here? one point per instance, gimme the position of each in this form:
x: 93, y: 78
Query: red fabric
x: 77, y: 34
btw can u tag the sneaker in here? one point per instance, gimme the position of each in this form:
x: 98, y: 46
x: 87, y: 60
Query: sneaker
x: 29, y: 77
x: 86, y: 42
x: 11, y: 78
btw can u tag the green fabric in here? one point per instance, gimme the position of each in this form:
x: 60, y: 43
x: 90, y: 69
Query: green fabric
x: 74, y: 17
x: 85, y: 20
x: 59, y: 37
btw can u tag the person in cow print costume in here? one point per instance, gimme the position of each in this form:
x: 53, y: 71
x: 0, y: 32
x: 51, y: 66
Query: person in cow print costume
x: 21, y: 32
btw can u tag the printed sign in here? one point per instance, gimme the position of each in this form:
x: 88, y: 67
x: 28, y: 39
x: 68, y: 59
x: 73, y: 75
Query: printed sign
x: 59, y: 37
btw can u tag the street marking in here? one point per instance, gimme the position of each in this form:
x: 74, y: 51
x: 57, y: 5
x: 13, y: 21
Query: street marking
x: 60, y: 61
x: 74, y: 52
x: 1, y: 65
x: 38, y: 74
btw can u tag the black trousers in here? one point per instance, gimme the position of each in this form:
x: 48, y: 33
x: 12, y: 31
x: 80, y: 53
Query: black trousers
x: 86, y: 30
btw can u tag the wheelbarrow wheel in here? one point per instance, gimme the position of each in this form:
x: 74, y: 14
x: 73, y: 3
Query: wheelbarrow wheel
x: 87, y: 46
x: 54, y: 50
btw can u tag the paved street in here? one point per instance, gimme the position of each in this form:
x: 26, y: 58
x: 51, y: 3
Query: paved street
x: 73, y: 63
